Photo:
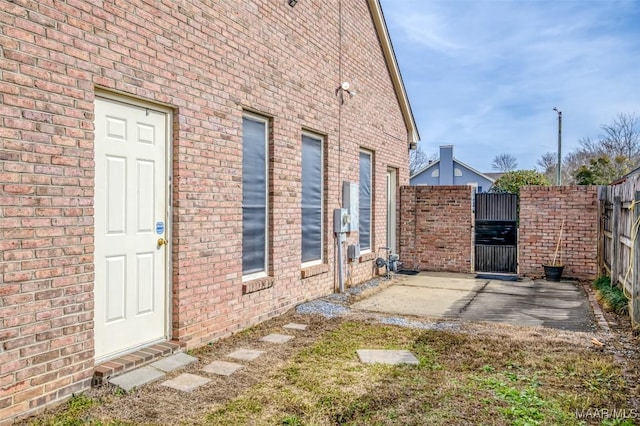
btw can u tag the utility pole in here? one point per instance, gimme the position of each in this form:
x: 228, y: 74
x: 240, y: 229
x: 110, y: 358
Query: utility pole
x: 559, y: 179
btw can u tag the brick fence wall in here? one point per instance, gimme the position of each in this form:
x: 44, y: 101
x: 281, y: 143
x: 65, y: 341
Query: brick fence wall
x: 542, y: 210
x: 436, y: 229
x: 436, y: 225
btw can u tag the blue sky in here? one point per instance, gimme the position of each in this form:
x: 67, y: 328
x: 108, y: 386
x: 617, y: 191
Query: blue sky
x: 485, y: 76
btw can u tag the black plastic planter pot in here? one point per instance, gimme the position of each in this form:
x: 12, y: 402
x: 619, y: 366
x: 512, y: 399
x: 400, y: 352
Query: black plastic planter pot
x: 553, y: 272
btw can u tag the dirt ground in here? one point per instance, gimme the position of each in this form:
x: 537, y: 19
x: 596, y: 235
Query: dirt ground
x: 157, y: 404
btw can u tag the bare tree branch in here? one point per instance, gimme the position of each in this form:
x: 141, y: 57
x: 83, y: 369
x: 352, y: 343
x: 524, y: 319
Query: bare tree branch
x: 417, y: 160
x: 504, y: 163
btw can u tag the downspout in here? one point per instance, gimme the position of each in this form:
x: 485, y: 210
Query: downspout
x: 340, y: 237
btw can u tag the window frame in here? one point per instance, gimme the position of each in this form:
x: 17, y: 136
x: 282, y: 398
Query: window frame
x: 321, y: 140
x: 360, y: 216
x: 267, y: 126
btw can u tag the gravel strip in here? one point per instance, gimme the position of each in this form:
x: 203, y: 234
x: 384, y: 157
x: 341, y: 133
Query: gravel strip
x: 404, y: 322
x: 337, y: 305
x: 322, y: 307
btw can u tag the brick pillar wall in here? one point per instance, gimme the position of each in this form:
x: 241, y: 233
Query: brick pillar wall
x: 436, y: 228
x: 542, y: 210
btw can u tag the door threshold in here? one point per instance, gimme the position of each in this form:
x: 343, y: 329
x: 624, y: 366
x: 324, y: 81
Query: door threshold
x: 498, y: 276
x: 125, y: 363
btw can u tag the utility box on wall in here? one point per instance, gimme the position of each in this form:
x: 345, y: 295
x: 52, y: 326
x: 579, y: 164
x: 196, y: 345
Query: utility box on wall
x: 350, y: 201
x: 353, y: 251
x: 341, y: 221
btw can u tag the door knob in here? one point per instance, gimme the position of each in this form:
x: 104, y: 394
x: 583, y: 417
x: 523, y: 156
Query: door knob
x: 161, y: 242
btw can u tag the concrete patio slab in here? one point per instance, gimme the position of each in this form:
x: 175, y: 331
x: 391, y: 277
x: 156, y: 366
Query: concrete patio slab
x: 418, y: 301
x: 174, y: 362
x: 246, y: 354
x: 385, y: 356
x: 186, y: 382
x: 137, y: 378
x: 451, y: 282
x: 276, y: 338
x: 563, y: 305
x: 222, y: 368
x: 295, y: 326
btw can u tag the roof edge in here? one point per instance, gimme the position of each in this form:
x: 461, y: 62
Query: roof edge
x: 468, y: 167
x: 387, y: 48
x: 460, y: 163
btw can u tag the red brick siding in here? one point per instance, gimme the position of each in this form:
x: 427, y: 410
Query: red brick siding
x: 436, y: 228
x: 209, y: 63
x: 542, y: 210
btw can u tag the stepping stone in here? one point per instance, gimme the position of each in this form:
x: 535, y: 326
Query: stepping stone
x: 222, y: 368
x: 186, y: 382
x: 137, y: 378
x: 174, y: 362
x: 245, y: 354
x: 382, y: 356
x: 276, y: 338
x: 294, y: 326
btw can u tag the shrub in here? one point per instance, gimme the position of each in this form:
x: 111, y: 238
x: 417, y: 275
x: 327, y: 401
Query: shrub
x: 611, y: 298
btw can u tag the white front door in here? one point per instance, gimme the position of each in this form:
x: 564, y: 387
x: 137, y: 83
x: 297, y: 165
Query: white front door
x: 131, y: 187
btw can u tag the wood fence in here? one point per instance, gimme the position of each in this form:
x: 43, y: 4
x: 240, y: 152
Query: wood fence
x: 619, y: 245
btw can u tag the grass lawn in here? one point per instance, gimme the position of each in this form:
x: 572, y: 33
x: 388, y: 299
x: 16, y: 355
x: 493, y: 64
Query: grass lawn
x: 460, y: 379
x: 505, y: 376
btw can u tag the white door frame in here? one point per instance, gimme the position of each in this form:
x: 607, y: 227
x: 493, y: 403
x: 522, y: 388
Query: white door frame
x: 392, y: 221
x: 168, y: 111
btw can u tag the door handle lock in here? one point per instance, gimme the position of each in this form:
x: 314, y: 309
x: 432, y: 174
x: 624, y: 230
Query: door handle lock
x: 161, y: 242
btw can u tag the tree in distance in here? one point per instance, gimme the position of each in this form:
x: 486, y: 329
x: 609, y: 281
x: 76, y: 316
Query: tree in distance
x: 619, y: 142
x: 418, y: 159
x: 511, y: 182
x: 601, y: 171
x: 504, y: 163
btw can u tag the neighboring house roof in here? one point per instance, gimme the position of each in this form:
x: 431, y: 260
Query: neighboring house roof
x: 425, y: 168
x: 484, y: 175
x: 624, y: 178
x: 390, y: 57
x: 460, y: 164
x: 495, y: 176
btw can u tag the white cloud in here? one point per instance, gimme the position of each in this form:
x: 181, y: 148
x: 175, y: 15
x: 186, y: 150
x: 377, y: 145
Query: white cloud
x: 485, y: 75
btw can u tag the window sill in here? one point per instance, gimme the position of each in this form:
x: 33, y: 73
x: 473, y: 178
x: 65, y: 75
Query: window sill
x: 367, y: 257
x: 314, y: 270
x: 258, y: 284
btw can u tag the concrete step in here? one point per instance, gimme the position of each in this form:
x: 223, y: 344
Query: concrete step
x: 126, y: 363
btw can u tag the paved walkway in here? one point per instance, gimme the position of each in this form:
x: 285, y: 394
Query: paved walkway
x: 562, y: 305
x: 187, y: 382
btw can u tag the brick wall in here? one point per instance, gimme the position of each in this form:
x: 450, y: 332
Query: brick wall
x: 436, y: 228
x: 542, y: 210
x: 209, y: 62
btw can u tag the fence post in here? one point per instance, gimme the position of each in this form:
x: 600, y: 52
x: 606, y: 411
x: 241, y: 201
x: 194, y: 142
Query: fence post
x: 615, y: 239
x: 601, y: 237
x: 635, y: 275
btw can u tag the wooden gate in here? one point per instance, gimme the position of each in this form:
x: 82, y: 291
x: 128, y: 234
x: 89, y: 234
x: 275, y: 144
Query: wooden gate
x: 496, y: 230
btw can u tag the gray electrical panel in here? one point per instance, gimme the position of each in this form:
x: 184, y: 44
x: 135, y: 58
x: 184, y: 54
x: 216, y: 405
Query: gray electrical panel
x: 350, y: 201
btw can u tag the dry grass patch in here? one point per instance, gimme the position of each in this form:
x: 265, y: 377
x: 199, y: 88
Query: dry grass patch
x: 478, y: 374
x: 461, y: 379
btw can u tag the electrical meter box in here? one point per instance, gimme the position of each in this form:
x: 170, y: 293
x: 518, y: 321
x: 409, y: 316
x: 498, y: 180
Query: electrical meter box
x: 341, y: 221
x: 350, y: 201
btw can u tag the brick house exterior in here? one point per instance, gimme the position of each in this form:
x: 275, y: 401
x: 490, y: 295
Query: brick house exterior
x: 204, y: 67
